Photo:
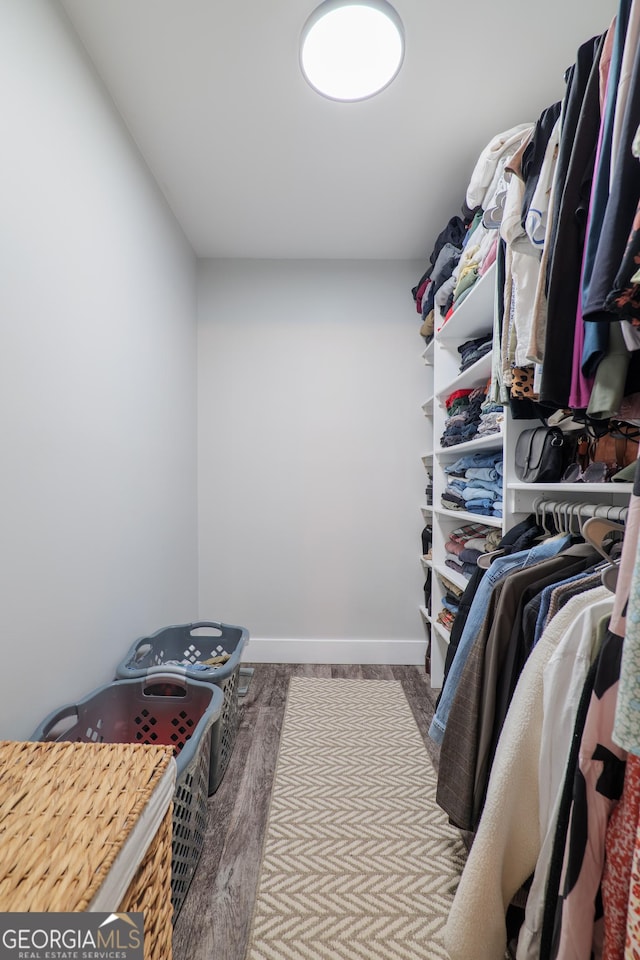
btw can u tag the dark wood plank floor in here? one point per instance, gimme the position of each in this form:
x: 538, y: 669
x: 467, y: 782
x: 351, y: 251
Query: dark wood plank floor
x: 215, y: 919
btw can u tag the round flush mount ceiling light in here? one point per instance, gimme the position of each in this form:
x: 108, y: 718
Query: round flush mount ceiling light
x: 351, y: 49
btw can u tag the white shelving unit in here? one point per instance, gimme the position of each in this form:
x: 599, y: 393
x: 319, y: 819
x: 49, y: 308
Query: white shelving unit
x: 427, y: 462
x: 474, y: 318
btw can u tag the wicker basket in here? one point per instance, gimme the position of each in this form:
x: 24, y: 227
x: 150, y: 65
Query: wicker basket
x: 182, y: 650
x: 166, y: 709
x: 66, y: 810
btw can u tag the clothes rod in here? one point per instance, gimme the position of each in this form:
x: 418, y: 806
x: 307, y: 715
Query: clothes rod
x: 568, y: 515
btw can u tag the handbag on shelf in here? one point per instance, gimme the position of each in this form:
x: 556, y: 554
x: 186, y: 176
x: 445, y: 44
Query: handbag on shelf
x: 618, y: 447
x: 540, y: 455
x: 599, y: 456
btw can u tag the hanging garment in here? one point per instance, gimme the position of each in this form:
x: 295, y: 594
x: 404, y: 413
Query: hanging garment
x: 541, y: 234
x: 523, y: 269
x: 625, y: 82
x: 632, y: 938
x: 498, y: 569
x: 620, y: 211
x: 577, y: 78
x: 620, y: 843
x: 467, y: 746
x: 596, y: 338
x: 487, y: 170
x: 611, y: 377
x: 550, y: 893
x: 581, y: 385
x: 547, y: 603
x: 506, y: 653
x: 538, y: 210
x: 597, y: 787
x: 534, y: 166
x: 624, y: 299
x: 570, y: 222
x: 522, y: 535
x: 507, y: 844
x: 554, y: 810
x: 627, y: 719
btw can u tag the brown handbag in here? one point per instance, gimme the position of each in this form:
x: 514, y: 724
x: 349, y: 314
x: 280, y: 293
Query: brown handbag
x: 618, y: 447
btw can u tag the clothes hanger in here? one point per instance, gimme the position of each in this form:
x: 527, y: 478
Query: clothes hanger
x: 605, y: 535
x: 561, y: 517
x: 575, y: 518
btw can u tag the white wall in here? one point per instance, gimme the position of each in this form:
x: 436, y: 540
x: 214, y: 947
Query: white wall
x: 310, y: 437
x: 97, y: 381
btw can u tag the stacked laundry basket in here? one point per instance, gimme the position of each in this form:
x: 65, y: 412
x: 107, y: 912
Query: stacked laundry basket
x: 206, y: 651
x: 179, y: 687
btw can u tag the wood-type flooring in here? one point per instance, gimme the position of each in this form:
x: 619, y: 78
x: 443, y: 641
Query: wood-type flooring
x: 215, y: 920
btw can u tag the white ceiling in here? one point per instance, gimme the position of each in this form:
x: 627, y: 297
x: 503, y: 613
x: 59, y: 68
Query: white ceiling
x: 255, y: 164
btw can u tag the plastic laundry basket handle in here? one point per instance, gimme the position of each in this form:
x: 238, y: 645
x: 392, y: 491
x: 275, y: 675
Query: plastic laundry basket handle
x: 156, y: 675
x: 49, y: 731
x: 200, y: 624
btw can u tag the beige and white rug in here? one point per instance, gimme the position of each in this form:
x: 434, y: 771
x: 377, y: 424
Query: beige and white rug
x: 359, y: 862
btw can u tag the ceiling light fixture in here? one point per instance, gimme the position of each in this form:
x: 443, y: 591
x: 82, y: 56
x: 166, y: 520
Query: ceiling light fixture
x: 351, y: 49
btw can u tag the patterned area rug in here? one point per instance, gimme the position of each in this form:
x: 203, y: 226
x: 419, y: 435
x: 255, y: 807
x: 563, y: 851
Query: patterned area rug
x: 359, y: 863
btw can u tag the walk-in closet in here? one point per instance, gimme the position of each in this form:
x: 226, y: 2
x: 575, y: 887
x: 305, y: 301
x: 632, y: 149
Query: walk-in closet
x: 320, y: 389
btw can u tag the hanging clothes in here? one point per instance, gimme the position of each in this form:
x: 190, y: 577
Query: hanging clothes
x: 618, y: 874
x: 570, y: 216
x: 499, y: 568
x: 616, y: 227
x: 581, y: 384
x: 627, y: 718
x: 599, y: 777
x: 507, y: 843
x: 596, y: 339
x: 555, y: 807
x: 468, y: 743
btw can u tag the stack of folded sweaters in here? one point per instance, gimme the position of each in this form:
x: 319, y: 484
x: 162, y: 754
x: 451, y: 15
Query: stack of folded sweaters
x: 467, y: 543
x: 470, y: 414
x: 471, y: 351
x: 474, y: 484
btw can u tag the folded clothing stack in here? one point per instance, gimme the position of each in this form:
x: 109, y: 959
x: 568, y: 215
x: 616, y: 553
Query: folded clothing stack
x: 465, y: 544
x: 474, y: 483
x: 491, y: 419
x: 464, y: 408
x: 473, y: 350
x: 450, y: 604
x: 443, y: 261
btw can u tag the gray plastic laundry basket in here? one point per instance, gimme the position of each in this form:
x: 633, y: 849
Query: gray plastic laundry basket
x: 182, y: 648
x: 161, y: 709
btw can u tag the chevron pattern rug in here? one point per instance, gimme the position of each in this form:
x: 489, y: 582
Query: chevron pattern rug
x: 359, y: 863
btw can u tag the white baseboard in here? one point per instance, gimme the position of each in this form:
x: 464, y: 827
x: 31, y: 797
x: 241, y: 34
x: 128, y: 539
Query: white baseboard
x: 265, y: 650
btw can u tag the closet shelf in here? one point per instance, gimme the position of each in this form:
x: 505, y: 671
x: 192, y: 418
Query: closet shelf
x: 474, y: 316
x: 426, y: 562
x: 440, y: 630
x: 425, y: 613
x: 427, y: 510
x: 475, y: 376
x: 427, y: 406
x: 492, y: 442
x: 467, y: 517
x: 452, y: 575
x: 427, y: 354
x: 584, y: 489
